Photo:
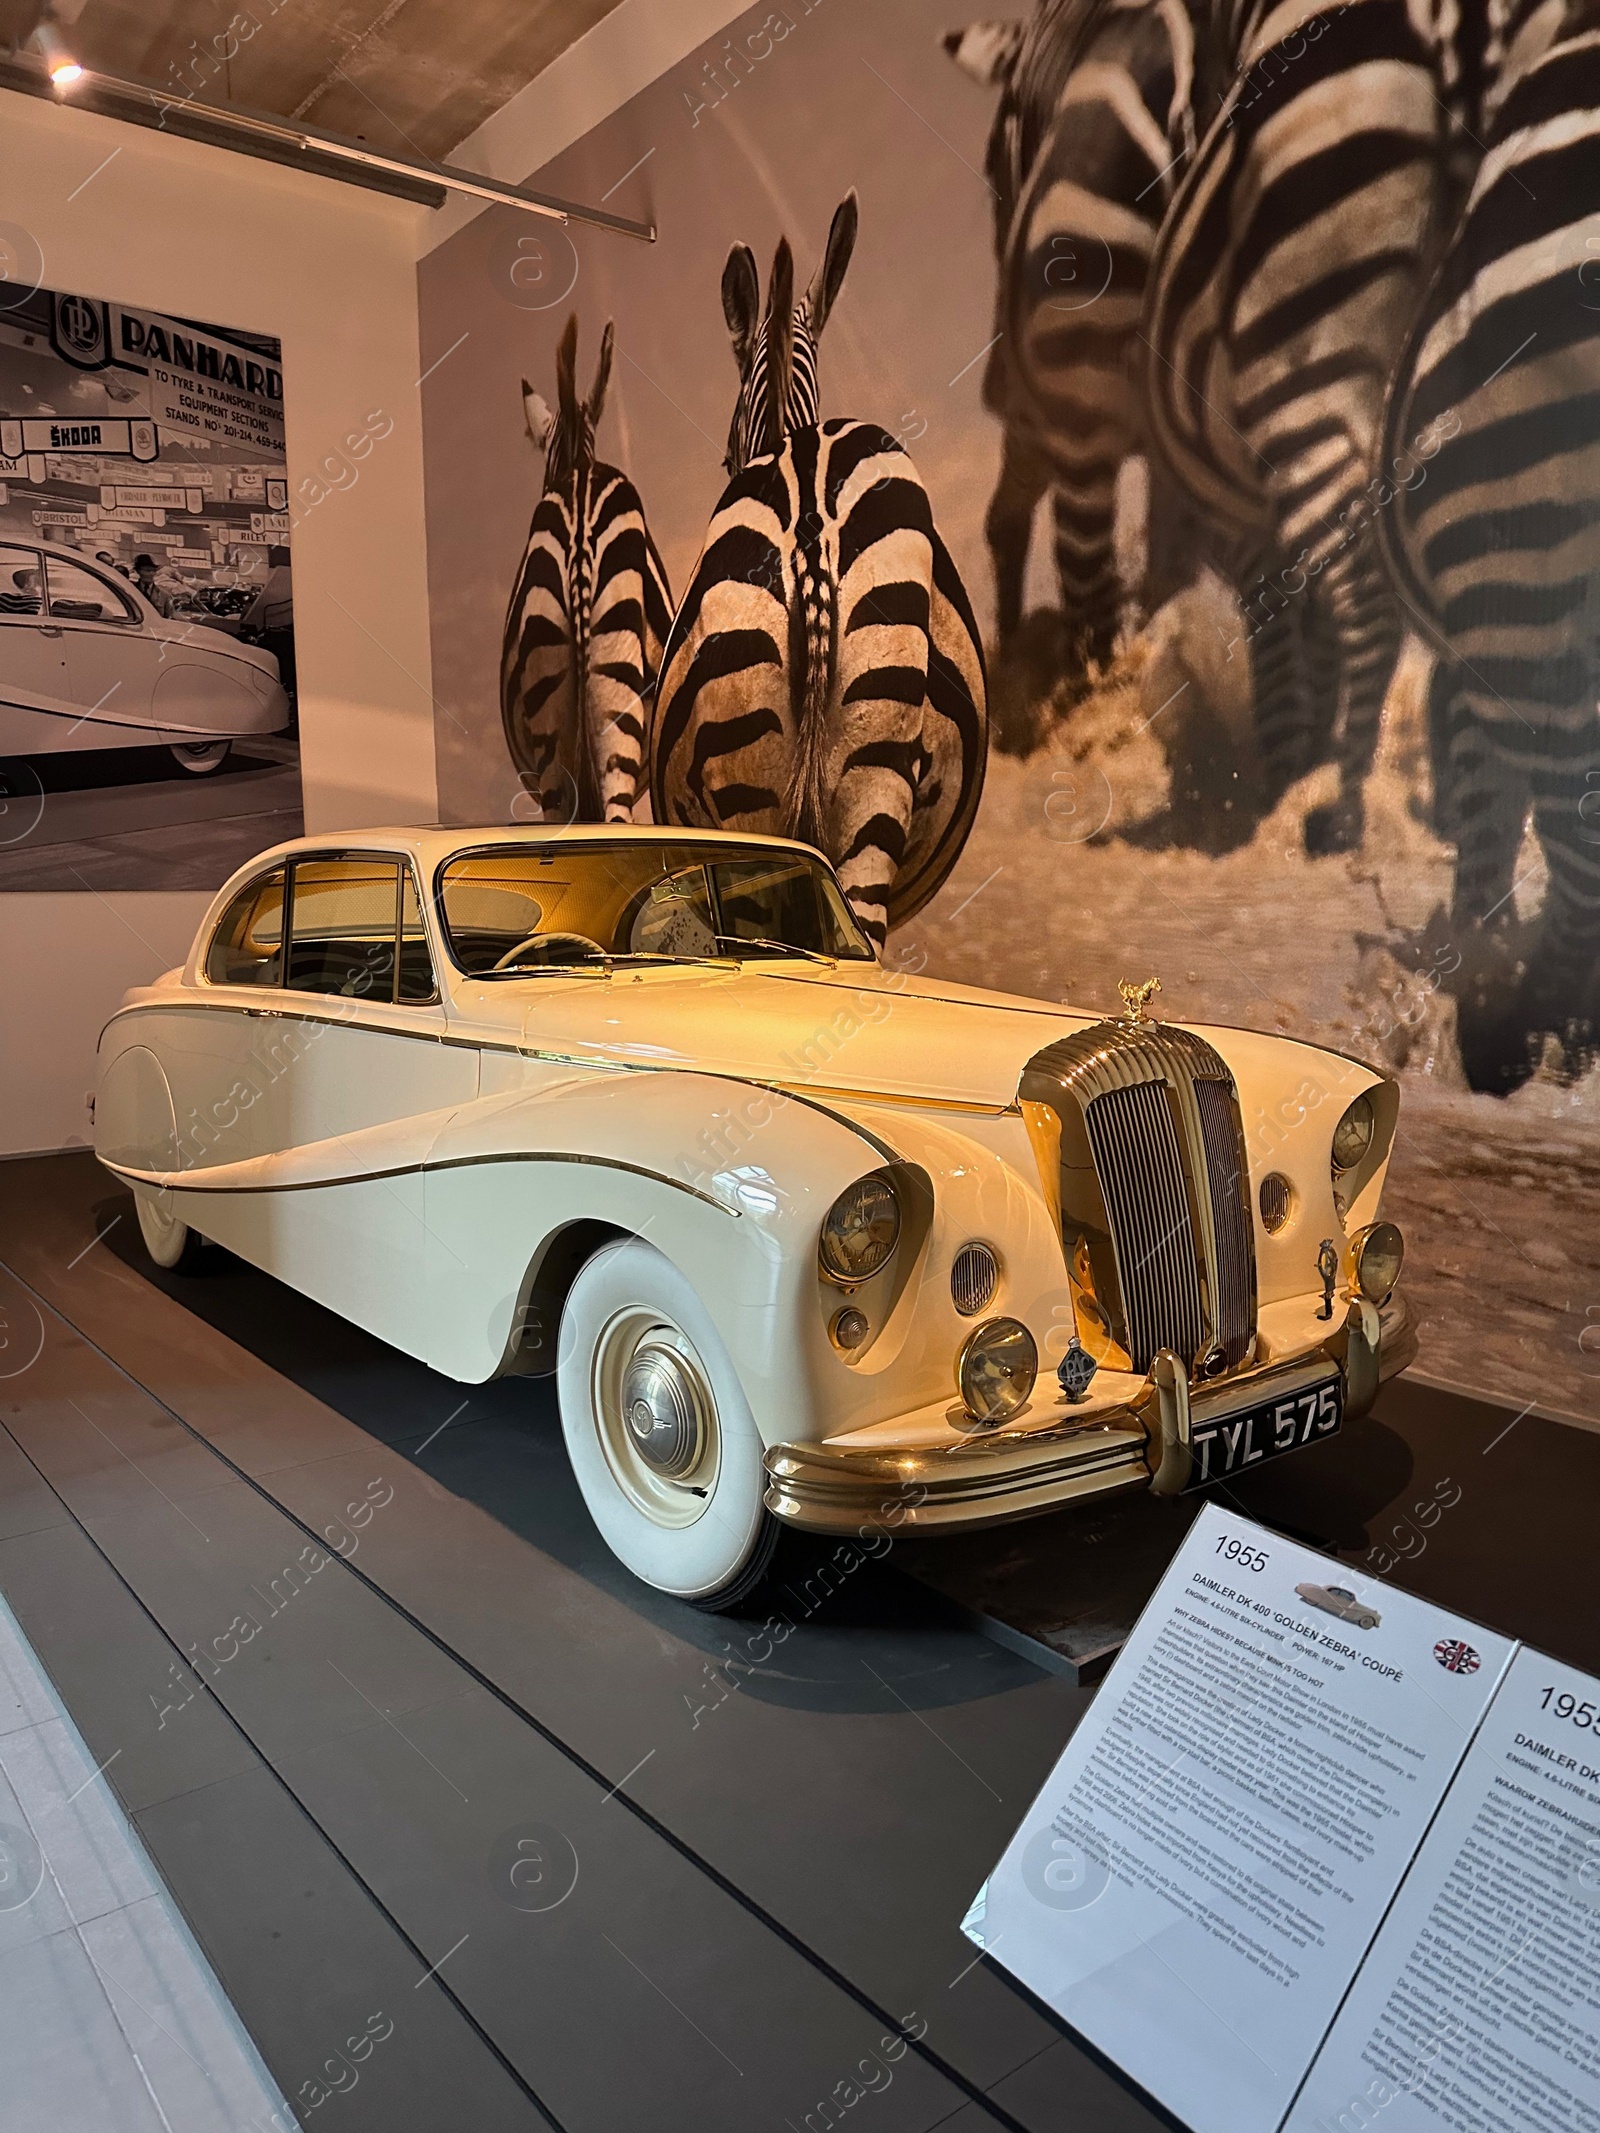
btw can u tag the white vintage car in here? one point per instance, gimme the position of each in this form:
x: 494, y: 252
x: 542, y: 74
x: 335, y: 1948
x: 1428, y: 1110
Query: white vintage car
x: 87, y: 662
x: 806, y: 1240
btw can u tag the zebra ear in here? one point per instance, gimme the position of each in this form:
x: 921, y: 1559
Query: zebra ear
x: 537, y: 411
x: 741, y: 303
x: 829, y: 277
x: 567, y: 368
x: 780, y: 338
x: 602, y: 374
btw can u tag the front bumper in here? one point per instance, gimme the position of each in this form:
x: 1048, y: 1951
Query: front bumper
x: 1141, y: 1443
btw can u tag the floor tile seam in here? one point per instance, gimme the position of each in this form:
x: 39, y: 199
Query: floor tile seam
x: 936, y: 2061
x: 76, y: 1925
x: 264, y: 1764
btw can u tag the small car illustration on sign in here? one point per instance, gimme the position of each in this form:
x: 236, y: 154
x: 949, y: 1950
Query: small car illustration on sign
x: 802, y: 1237
x: 1341, y: 1601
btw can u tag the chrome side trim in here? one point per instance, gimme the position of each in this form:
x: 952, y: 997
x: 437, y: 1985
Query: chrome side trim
x: 192, y: 1180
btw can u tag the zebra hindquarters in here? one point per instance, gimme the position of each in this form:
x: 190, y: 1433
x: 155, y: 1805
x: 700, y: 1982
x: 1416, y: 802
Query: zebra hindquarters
x: 1495, y: 541
x: 876, y: 697
x: 1074, y: 274
x: 721, y: 745
x: 619, y: 671
x: 955, y: 744
x: 538, y: 669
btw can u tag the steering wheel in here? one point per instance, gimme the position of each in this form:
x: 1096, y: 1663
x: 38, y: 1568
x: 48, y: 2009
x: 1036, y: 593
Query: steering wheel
x: 575, y: 944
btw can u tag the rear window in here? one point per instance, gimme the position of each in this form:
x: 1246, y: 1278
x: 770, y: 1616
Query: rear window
x: 247, y: 947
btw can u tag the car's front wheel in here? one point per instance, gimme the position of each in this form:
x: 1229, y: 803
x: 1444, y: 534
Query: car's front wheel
x: 171, y: 1243
x: 660, y: 1435
x: 200, y: 758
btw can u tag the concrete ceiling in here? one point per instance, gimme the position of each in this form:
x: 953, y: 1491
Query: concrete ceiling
x: 409, y: 77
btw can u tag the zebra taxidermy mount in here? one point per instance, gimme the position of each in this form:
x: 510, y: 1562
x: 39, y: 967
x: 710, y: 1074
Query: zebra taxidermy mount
x: 824, y: 677
x: 588, y: 617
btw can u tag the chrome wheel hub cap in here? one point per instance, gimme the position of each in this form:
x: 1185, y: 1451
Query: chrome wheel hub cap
x: 663, y: 1407
x: 656, y: 1416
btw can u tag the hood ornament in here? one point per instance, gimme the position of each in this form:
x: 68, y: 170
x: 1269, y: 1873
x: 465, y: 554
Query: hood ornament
x: 1136, y: 998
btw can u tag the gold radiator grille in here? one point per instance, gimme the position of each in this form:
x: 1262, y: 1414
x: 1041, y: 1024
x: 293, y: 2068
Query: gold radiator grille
x: 1153, y: 1189
x: 1136, y: 1154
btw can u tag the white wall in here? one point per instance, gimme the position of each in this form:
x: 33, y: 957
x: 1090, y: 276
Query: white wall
x: 624, y: 52
x: 329, y: 269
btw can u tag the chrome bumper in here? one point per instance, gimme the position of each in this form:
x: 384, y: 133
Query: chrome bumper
x: 1145, y: 1443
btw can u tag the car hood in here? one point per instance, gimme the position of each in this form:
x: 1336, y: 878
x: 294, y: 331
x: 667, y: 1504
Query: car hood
x: 855, y: 1028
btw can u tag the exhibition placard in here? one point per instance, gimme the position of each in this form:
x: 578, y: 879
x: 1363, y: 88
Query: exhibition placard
x: 1203, y: 1872
x: 1479, y: 2004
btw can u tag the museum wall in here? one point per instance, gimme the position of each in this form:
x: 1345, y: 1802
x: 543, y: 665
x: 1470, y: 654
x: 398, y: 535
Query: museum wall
x: 1137, y: 819
x: 124, y: 215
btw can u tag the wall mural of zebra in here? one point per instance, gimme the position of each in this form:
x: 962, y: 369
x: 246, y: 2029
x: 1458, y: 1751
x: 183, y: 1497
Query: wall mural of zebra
x: 1095, y: 119
x: 1494, y: 540
x: 1283, y: 287
x: 1241, y: 360
x: 824, y: 677
x: 588, y: 616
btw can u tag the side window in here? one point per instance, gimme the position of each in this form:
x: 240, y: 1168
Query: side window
x: 78, y: 595
x: 342, y: 923
x: 21, y: 582
x: 417, y: 981
x: 247, y: 947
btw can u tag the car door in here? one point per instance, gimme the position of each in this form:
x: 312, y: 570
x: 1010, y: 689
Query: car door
x: 359, y: 1043
x: 36, y: 706
x: 113, y: 659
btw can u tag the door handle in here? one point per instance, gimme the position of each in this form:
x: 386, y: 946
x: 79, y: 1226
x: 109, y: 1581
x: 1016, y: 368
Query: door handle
x: 45, y: 630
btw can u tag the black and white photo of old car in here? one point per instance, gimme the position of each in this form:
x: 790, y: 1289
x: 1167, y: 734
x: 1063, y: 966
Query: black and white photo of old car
x: 87, y: 661
x: 1341, y: 1601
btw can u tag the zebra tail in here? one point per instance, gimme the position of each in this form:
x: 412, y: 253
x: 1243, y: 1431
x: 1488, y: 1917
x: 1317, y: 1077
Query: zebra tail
x: 813, y: 622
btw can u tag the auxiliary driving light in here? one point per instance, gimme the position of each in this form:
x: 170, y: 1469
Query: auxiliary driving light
x: 996, y: 1370
x: 860, y: 1230
x: 1378, y: 1253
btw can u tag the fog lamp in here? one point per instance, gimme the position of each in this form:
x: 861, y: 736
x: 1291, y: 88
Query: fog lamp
x: 1378, y: 1253
x: 860, y: 1230
x: 1352, y: 1137
x: 996, y: 1370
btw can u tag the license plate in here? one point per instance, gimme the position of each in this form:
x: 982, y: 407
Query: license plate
x: 1233, y: 1442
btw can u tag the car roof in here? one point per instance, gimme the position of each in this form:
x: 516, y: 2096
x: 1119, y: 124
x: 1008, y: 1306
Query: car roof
x: 429, y: 843
x: 67, y: 555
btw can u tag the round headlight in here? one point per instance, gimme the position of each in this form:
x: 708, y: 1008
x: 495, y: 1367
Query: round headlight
x: 1352, y: 1137
x: 1379, y: 1252
x: 996, y: 1370
x: 860, y: 1230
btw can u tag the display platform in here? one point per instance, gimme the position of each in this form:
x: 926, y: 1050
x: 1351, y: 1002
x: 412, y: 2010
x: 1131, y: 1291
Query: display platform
x: 1429, y: 1491
x: 752, y: 1840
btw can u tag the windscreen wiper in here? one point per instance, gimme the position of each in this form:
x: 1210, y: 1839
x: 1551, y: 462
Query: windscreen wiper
x: 745, y: 940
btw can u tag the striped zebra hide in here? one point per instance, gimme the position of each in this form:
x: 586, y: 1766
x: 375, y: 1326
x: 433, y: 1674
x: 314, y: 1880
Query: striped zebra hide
x: 824, y: 676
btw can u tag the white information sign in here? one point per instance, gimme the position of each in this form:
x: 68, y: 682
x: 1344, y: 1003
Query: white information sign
x: 1207, y: 1864
x: 1479, y: 2005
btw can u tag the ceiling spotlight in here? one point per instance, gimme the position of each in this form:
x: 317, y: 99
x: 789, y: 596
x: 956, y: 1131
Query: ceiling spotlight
x: 64, y: 69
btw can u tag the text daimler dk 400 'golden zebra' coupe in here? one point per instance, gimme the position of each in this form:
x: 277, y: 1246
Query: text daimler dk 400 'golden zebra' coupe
x: 804, y: 1239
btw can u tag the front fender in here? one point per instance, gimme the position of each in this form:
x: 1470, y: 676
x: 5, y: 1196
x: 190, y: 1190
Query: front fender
x: 730, y: 1181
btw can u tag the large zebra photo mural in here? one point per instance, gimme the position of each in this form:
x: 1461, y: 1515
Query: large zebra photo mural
x: 1130, y: 476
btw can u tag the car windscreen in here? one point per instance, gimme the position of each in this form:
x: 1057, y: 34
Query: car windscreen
x: 511, y: 908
